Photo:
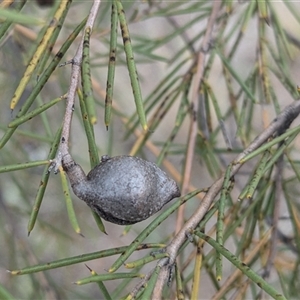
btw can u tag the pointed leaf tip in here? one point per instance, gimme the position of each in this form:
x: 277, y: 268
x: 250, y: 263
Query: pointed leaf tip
x: 93, y: 120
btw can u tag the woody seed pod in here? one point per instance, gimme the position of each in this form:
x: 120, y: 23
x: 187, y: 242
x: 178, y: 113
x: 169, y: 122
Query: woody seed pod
x: 122, y: 189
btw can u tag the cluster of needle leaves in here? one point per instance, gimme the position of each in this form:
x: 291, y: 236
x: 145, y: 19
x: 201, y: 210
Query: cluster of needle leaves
x: 186, y: 84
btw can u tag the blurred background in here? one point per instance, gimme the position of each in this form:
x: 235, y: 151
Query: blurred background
x: 165, y: 37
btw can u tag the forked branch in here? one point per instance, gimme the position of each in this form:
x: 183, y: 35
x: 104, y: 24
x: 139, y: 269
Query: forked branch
x: 277, y: 127
x: 70, y: 102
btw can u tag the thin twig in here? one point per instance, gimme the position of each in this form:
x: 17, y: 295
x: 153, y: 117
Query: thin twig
x: 278, y: 126
x: 140, y: 285
x: 233, y: 277
x: 75, y: 75
x: 275, y: 219
x: 194, y: 107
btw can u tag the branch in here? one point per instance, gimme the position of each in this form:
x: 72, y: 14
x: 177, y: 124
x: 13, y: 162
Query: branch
x: 70, y: 102
x: 205, y: 45
x: 277, y: 127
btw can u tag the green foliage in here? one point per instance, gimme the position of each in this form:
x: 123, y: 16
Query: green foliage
x: 187, y: 84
